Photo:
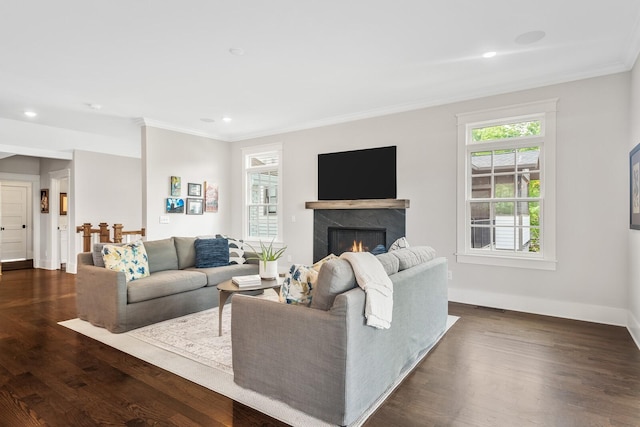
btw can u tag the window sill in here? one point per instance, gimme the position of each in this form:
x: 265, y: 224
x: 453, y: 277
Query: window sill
x: 503, y: 261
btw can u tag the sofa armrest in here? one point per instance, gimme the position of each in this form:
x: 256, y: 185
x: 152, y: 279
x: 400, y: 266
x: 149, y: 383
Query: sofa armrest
x: 101, y: 294
x: 284, y: 351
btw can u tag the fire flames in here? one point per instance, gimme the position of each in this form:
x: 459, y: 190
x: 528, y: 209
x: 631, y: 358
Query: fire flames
x: 357, y: 246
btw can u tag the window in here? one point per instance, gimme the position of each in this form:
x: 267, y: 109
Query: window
x: 262, y: 193
x: 506, y: 186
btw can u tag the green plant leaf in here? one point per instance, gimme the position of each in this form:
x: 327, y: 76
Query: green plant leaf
x: 267, y: 253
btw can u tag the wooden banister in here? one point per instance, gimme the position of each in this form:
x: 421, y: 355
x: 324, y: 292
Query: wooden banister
x: 118, y: 233
x: 87, y: 231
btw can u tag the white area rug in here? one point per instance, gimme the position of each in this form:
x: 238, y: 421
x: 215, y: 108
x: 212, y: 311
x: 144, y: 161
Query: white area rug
x: 189, y: 346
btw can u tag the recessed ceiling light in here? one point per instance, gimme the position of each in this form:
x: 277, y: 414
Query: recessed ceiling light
x: 207, y: 120
x: 489, y: 54
x: 238, y: 51
x: 530, y: 37
x: 226, y: 119
x: 30, y: 113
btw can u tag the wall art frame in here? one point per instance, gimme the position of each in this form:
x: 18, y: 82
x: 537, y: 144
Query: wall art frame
x: 63, y: 203
x: 44, y: 200
x: 195, y: 207
x: 210, y: 197
x: 194, y: 189
x: 176, y: 186
x: 174, y: 205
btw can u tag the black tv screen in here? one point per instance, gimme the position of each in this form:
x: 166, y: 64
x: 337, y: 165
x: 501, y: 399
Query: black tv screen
x: 359, y: 174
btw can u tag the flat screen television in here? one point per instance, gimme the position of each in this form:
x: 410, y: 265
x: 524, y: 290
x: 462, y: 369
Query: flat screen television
x: 358, y: 174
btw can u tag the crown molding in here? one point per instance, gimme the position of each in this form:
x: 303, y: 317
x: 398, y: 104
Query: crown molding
x: 35, y: 152
x: 613, y: 68
x: 633, y: 46
x: 144, y: 121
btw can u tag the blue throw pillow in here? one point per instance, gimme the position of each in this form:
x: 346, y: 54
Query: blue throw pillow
x: 380, y: 249
x: 211, y: 252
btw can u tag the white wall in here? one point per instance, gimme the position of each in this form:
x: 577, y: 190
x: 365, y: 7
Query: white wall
x: 103, y: 188
x: 591, y: 278
x: 20, y: 164
x: 194, y: 159
x: 633, y: 297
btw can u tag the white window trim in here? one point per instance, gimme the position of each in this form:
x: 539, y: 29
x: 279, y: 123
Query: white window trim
x: 546, y: 109
x: 247, y: 151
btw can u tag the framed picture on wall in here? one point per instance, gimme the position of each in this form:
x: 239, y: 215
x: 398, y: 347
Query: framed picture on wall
x: 174, y: 205
x: 176, y: 186
x: 44, y: 200
x: 634, y: 188
x: 194, y: 207
x: 210, y: 197
x: 194, y: 189
x: 63, y: 203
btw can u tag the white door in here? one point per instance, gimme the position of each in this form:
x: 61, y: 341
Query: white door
x: 13, y: 222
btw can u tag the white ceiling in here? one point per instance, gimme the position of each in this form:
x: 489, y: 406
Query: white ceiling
x: 306, y: 63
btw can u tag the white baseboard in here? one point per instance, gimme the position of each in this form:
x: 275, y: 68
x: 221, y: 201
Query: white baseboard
x: 72, y: 268
x: 564, y: 309
x: 47, y: 264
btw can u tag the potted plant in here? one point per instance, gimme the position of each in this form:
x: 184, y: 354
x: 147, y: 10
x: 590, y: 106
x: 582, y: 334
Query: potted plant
x: 268, y: 257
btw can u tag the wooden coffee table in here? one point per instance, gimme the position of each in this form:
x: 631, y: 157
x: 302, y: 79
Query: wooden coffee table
x: 228, y: 288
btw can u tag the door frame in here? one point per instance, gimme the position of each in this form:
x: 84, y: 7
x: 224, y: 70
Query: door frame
x: 54, y: 216
x: 34, y: 218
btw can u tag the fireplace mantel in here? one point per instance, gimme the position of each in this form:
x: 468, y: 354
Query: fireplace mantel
x: 359, y: 204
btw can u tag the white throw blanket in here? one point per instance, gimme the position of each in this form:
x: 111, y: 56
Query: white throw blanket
x: 378, y: 288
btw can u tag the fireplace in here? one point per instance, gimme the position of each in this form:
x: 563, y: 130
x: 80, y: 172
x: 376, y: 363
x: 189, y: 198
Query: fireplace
x: 347, y: 239
x: 389, y: 222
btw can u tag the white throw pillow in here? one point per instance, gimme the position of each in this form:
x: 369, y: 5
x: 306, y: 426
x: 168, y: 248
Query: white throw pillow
x: 401, y: 243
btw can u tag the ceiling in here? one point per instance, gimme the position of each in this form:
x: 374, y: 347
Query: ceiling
x: 305, y: 63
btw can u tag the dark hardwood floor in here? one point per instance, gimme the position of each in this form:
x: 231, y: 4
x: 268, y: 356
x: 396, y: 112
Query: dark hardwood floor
x: 492, y: 368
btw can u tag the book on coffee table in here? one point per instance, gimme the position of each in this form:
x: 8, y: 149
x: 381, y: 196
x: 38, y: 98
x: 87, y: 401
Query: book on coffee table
x: 246, y: 281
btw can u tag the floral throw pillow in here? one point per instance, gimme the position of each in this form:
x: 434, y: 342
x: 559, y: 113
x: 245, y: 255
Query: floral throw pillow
x: 131, y: 259
x: 298, y: 284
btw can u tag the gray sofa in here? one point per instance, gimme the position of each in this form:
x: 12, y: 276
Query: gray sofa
x: 323, y: 359
x: 174, y: 288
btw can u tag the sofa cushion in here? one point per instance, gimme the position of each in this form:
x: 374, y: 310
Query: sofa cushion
x: 216, y: 275
x: 251, y: 257
x: 186, y: 251
x: 335, y: 277
x: 390, y: 262
x: 211, y: 252
x: 164, y: 283
x: 318, y: 264
x: 298, y: 285
x: 97, y: 253
x: 162, y: 255
x: 410, y: 257
x: 131, y: 259
x: 236, y: 249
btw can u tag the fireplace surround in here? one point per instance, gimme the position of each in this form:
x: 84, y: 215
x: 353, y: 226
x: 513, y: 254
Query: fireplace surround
x: 385, y: 214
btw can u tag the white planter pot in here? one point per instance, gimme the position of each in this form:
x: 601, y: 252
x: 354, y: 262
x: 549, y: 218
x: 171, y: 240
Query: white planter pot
x: 269, y: 270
